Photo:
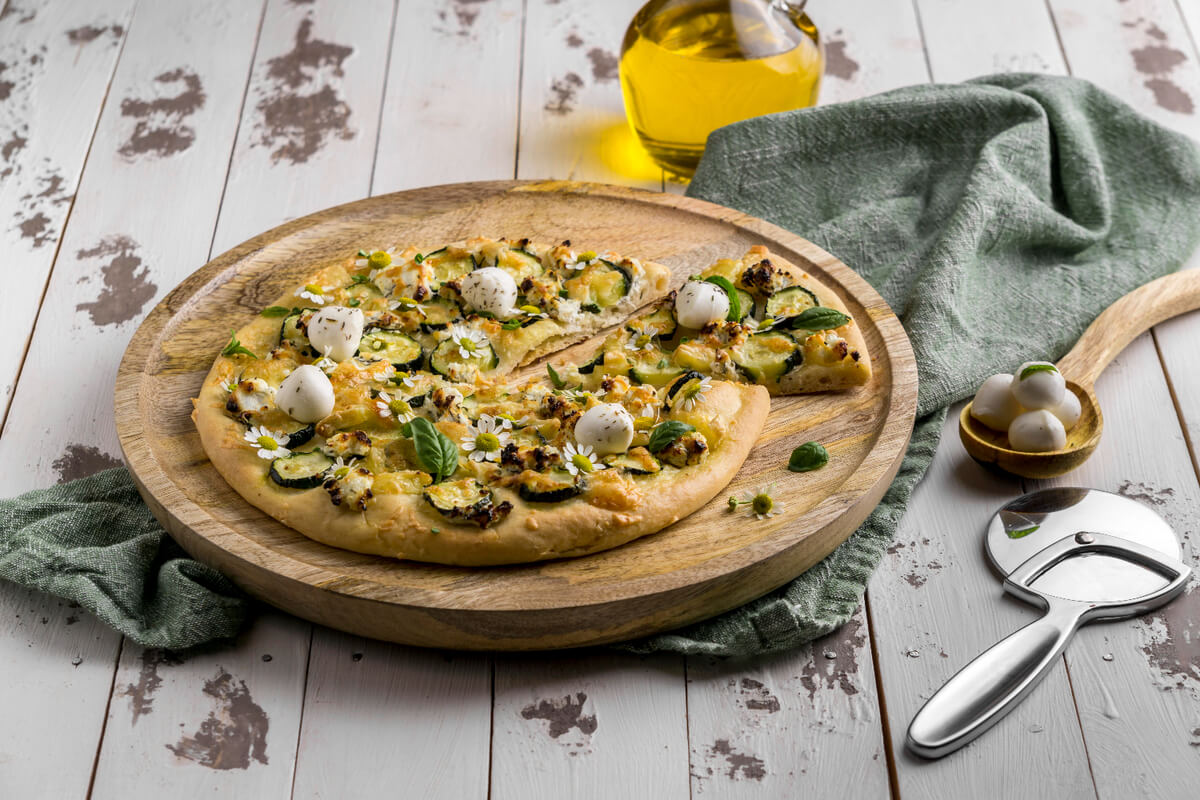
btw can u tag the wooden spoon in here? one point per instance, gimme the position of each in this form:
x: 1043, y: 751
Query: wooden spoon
x: 1108, y: 335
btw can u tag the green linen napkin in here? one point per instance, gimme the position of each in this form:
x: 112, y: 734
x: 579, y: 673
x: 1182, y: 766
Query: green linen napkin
x: 997, y: 217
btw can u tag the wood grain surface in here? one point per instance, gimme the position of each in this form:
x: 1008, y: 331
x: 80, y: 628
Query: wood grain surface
x: 703, y: 565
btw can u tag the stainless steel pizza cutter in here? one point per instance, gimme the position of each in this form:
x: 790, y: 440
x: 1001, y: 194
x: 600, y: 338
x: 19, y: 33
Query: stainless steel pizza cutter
x: 1082, y: 555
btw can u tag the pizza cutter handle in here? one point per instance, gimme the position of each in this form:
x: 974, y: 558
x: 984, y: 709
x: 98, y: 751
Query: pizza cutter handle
x: 990, y: 686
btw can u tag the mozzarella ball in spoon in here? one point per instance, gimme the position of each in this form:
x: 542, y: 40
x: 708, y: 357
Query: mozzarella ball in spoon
x: 491, y: 289
x: 306, y: 394
x: 1068, y: 411
x: 1037, y: 432
x: 606, y: 428
x: 1038, y: 384
x: 699, y: 303
x: 336, y: 331
x: 994, y: 404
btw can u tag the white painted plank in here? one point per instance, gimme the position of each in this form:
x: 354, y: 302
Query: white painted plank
x: 797, y: 724
x: 56, y: 668
x: 450, y: 112
x: 934, y: 606
x: 871, y: 46
x: 1139, y: 50
x: 308, y: 134
x: 55, y: 62
x: 379, y: 716
x: 968, y: 39
x: 572, y: 115
x: 589, y: 725
x: 218, y: 722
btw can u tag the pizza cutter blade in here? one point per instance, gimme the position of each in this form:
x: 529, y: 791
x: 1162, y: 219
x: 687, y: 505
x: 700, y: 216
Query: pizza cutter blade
x: 1081, y: 555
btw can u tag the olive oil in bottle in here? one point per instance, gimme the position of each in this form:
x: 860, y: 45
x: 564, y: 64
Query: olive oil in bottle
x: 691, y: 66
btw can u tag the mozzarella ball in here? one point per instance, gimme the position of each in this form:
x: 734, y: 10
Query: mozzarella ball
x: 1068, y: 410
x: 1037, y: 432
x: 699, y: 303
x: 994, y: 404
x: 607, y: 428
x: 1040, y: 389
x: 336, y: 331
x: 306, y: 394
x: 491, y: 289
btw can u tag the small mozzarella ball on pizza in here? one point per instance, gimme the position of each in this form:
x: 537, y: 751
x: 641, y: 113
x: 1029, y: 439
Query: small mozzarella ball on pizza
x: 607, y: 428
x: 306, y: 395
x: 699, y: 303
x: 336, y: 331
x: 491, y: 289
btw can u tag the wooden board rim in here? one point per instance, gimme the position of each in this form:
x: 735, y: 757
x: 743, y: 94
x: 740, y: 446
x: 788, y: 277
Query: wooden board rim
x: 254, y: 566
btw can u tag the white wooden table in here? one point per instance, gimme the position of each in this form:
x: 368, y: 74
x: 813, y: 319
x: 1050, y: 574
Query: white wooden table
x: 137, y: 139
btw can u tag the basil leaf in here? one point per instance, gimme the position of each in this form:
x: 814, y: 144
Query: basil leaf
x: 437, y: 453
x: 554, y: 378
x: 234, y: 347
x: 275, y: 311
x: 807, y: 457
x: 665, y: 434
x: 511, y: 325
x: 818, y: 318
x: 1034, y: 368
x: 735, y: 302
x: 1023, y: 532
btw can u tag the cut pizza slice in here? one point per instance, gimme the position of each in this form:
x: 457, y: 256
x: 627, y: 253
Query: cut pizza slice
x: 756, y: 319
x: 476, y: 309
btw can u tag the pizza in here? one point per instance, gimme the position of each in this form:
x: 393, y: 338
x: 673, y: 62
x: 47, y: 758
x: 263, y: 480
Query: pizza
x: 369, y: 409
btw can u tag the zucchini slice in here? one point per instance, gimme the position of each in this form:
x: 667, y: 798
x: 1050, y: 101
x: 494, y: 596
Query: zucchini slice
x: 400, y: 349
x: 362, y: 292
x: 765, y: 357
x: 290, y: 331
x: 466, y: 499
x: 661, y: 322
x: 789, y: 302
x: 653, y: 367
x: 553, y: 487
x: 300, y: 436
x: 440, y: 313
x: 601, y: 284
x: 681, y: 382
x: 521, y: 264
x: 446, y: 358
x: 447, y: 267
x: 747, y: 302
x: 301, y: 470
x: 637, y: 461
x: 590, y: 367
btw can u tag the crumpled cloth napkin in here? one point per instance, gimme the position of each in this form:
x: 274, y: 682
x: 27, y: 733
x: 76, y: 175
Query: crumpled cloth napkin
x: 998, y: 217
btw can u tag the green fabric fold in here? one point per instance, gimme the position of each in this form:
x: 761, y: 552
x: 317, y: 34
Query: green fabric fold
x: 997, y: 217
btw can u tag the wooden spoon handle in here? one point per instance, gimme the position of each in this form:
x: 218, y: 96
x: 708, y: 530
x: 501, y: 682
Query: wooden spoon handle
x: 1125, y: 320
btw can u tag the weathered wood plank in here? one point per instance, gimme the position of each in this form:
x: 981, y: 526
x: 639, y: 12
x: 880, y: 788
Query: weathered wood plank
x: 589, y: 725
x: 379, y: 716
x: 56, y: 59
x: 794, y: 724
x: 935, y: 605
x: 870, y: 47
x: 572, y: 115
x: 56, y: 669
x: 966, y: 40
x: 452, y: 117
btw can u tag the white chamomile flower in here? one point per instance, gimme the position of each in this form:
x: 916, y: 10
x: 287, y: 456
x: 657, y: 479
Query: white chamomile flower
x: 578, y: 262
x: 577, y: 395
x: 325, y: 363
x: 532, y: 312
x: 762, y: 505
x: 406, y: 304
x: 640, y: 338
x: 269, y: 443
x: 315, y: 292
x: 375, y: 259
x: 388, y: 406
x: 229, y: 385
x: 577, y: 458
x: 693, y: 393
x: 468, y: 341
x: 484, y: 441
x: 407, y: 378
x: 341, y: 468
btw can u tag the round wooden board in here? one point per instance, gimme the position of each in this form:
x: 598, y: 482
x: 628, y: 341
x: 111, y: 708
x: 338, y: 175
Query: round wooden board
x: 709, y: 562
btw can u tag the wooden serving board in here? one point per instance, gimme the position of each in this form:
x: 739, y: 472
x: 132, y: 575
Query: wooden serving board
x: 709, y: 562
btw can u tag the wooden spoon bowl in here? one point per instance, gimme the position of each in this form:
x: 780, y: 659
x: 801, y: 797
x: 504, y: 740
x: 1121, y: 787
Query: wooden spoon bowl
x: 1108, y: 335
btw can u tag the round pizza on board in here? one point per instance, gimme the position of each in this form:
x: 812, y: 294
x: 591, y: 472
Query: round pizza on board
x: 370, y: 410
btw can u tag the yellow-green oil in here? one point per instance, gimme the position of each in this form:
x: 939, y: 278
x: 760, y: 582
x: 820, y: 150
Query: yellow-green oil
x: 691, y: 66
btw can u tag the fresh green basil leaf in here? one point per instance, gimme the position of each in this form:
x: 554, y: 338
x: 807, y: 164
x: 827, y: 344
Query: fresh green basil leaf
x: 1035, y: 368
x: 554, y: 378
x: 807, y: 457
x: 735, y: 301
x: 234, y: 347
x: 665, y: 434
x: 818, y: 318
x: 275, y: 311
x: 437, y: 453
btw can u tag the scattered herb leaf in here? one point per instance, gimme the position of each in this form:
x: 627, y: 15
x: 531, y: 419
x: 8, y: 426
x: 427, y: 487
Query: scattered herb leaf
x: 1023, y: 532
x: 818, y: 318
x: 234, y: 347
x: 511, y: 325
x: 554, y: 377
x: 274, y: 311
x: 1035, y: 368
x: 418, y: 258
x: 363, y: 254
x: 665, y: 434
x: 437, y: 453
x: 807, y: 457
